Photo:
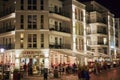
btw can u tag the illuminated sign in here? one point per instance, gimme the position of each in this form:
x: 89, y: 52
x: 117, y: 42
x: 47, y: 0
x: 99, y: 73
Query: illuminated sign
x: 30, y: 53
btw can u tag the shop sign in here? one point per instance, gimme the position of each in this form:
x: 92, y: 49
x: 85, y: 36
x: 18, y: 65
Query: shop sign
x: 30, y: 53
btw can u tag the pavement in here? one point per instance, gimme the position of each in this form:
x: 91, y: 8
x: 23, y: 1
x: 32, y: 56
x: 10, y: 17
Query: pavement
x: 110, y: 74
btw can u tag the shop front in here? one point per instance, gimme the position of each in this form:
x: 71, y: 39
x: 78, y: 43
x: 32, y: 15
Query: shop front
x: 31, y: 62
x: 66, y: 57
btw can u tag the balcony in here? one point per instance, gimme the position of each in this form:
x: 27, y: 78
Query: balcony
x: 59, y: 46
x: 7, y: 11
x: 101, y: 43
x: 59, y: 29
x: 7, y: 29
x: 8, y: 46
x: 61, y: 12
x: 102, y: 32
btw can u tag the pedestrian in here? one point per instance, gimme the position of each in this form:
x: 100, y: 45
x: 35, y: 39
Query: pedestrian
x: 56, y: 72
x: 80, y: 74
x: 19, y: 76
x: 86, y: 74
x: 25, y: 69
x: 45, y: 74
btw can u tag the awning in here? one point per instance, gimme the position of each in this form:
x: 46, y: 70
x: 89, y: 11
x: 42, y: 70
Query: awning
x: 72, y: 53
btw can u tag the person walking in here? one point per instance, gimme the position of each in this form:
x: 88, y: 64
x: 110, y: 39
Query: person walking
x: 45, y: 74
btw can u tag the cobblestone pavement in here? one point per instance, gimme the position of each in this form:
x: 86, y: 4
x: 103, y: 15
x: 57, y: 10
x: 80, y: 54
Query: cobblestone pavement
x: 112, y: 74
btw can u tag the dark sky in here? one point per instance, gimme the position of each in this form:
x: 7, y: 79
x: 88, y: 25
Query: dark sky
x: 112, y: 5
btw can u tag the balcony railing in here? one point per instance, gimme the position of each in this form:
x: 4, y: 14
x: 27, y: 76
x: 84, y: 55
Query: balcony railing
x: 7, y: 11
x: 101, y: 43
x: 98, y: 32
x: 60, y: 46
x: 8, y: 46
x: 102, y: 32
x: 7, y: 29
x: 98, y: 21
x: 59, y: 29
x: 62, y: 13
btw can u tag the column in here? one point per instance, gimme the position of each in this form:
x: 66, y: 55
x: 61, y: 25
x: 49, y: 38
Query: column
x: 17, y: 59
x: 85, y: 40
x: 73, y: 30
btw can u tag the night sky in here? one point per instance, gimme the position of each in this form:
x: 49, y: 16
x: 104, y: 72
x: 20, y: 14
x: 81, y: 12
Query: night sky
x: 112, y: 5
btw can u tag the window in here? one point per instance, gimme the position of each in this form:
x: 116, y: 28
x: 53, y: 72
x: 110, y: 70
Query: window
x: 21, y: 21
x: 56, y: 25
x: 75, y: 13
x: 56, y: 40
x: 60, y: 25
x: 42, y: 21
x: 81, y: 15
x: 60, y: 41
x: 22, y: 4
x: 21, y: 40
x: 22, y: 1
x: 56, y: 9
x: 81, y: 44
x: 32, y: 4
x: 42, y: 4
x: 32, y: 40
x: 32, y: 21
x: 42, y: 40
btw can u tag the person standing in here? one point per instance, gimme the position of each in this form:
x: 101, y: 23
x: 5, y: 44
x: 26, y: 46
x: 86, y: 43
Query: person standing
x: 79, y: 74
x: 86, y: 74
x: 56, y: 72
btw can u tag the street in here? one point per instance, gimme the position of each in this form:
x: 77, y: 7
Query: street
x: 111, y: 74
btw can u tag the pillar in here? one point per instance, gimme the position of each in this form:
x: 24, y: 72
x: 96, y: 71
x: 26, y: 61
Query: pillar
x: 17, y: 59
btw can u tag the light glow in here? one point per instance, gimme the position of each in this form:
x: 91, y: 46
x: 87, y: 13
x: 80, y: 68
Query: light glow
x: 2, y: 50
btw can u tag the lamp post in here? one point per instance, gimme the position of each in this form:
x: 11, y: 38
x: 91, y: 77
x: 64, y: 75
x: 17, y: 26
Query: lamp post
x: 2, y: 52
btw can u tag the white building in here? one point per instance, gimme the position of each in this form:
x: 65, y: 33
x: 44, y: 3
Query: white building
x: 100, y: 31
x: 49, y: 32
x: 117, y: 35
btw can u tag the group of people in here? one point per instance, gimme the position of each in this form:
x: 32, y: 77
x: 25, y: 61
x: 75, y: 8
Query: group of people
x: 82, y: 72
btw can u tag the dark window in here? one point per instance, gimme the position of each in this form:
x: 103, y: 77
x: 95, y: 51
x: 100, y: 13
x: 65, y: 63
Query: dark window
x: 22, y: 7
x: 22, y: 1
x: 42, y: 45
x: 42, y: 4
x: 42, y: 21
x: 21, y: 21
x: 32, y: 4
x: 32, y: 21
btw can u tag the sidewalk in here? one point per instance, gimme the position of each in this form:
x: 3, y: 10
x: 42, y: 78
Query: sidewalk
x: 68, y: 77
x: 64, y: 77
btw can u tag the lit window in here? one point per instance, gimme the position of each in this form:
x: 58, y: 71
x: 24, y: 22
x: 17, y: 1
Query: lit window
x: 21, y: 40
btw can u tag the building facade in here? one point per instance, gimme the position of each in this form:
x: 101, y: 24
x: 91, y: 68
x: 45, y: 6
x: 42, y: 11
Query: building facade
x: 100, y: 31
x: 47, y: 33
x: 117, y: 35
